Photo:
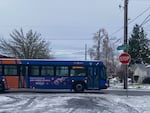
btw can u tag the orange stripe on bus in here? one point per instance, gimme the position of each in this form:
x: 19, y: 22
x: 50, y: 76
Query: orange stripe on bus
x: 8, y: 61
x: 12, y: 81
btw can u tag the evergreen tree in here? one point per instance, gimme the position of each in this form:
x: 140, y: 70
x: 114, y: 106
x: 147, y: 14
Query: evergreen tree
x: 139, y: 46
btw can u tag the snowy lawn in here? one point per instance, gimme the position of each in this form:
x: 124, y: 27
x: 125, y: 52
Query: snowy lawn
x: 117, y: 85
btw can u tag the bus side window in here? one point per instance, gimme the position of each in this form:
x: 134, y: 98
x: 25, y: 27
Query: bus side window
x: 35, y: 70
x: 78, y: 71
x: 62, y: 71
x: 10, y: 70
x: 47, y: 71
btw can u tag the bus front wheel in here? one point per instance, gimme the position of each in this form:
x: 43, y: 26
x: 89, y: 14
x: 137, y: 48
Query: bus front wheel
x: 79, y: 87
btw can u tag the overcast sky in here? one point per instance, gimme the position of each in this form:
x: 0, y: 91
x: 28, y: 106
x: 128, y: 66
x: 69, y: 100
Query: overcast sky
x: 70, y: 24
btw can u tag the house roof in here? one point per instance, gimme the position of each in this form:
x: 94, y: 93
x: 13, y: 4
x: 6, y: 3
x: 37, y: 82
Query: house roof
x: 4, y: 56
x: 139, y: 66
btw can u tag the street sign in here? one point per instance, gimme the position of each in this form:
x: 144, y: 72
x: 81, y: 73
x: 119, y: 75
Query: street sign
x: 124, y: 58
x: 123, y: 47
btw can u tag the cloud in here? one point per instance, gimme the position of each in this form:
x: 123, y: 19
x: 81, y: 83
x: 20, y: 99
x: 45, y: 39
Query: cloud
x: 70, y: 49
x: 70, y: 54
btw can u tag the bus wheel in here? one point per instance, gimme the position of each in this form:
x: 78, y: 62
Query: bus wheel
x: 79, y: 87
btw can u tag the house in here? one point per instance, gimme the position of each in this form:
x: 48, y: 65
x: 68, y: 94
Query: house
x: 4, y: 56
x: 148, y: 70
x: 139, y: 72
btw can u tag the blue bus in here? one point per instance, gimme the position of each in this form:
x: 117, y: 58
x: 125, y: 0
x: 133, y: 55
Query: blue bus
x: 52, y: 74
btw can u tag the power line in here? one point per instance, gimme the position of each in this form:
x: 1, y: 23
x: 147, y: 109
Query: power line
x: 139, y: 0
x: 145, y: 20
x: 139, y: 15
x: 131, y: 21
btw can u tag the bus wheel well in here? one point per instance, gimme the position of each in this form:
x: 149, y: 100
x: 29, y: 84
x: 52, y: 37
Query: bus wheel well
x: 79, y: 86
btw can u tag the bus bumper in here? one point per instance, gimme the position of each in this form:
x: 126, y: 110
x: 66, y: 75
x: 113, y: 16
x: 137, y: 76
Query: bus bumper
x: 105, y: 86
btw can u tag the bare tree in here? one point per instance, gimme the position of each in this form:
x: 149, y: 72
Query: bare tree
x: 95, y: 51
x: 25, y: 46
x: 103, y: 51
x: 108, y: 56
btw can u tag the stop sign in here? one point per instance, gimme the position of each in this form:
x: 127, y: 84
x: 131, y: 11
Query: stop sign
x: 124, y: 58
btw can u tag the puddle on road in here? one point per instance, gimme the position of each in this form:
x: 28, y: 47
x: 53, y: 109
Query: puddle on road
x: 97, y: 105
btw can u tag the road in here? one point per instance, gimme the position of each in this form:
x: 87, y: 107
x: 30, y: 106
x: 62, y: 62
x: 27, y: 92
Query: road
x: 120, y: 92
x: 65, y: 103
x: 52, y: 101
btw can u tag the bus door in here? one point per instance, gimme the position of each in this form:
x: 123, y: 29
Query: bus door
x: 93, y: 78
x: 24, y: 78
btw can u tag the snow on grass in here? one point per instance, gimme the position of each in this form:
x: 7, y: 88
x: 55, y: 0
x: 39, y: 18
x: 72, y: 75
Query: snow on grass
x: 117, y: 85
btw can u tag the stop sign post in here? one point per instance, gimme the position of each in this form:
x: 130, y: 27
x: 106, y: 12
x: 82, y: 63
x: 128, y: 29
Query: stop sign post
x: 125, y: 58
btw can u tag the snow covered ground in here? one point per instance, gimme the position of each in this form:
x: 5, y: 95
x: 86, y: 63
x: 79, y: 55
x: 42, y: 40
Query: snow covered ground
x: 72, y: 103
x: 28, y: 102
x: 115, y: 84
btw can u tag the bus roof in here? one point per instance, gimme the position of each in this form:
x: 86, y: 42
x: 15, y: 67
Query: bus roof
x: 49, y: 62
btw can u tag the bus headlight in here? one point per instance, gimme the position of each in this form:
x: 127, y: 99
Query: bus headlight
x: 72, y: 81
x: 106, y: 84
x: 85, y: 81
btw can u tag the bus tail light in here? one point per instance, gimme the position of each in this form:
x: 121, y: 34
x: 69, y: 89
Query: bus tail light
x: 3, y: 80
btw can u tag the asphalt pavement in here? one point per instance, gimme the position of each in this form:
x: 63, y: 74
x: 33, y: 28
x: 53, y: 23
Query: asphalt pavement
x: 120, y: 92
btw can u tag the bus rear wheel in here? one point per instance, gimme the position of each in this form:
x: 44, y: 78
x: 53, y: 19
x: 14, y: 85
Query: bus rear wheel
x: 79, y: 87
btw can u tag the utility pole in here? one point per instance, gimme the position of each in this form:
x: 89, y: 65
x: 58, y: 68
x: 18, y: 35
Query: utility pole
x: 125, y: 40
x: 99, y: 46
x: 125, y: 21
x: 85, y: 51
